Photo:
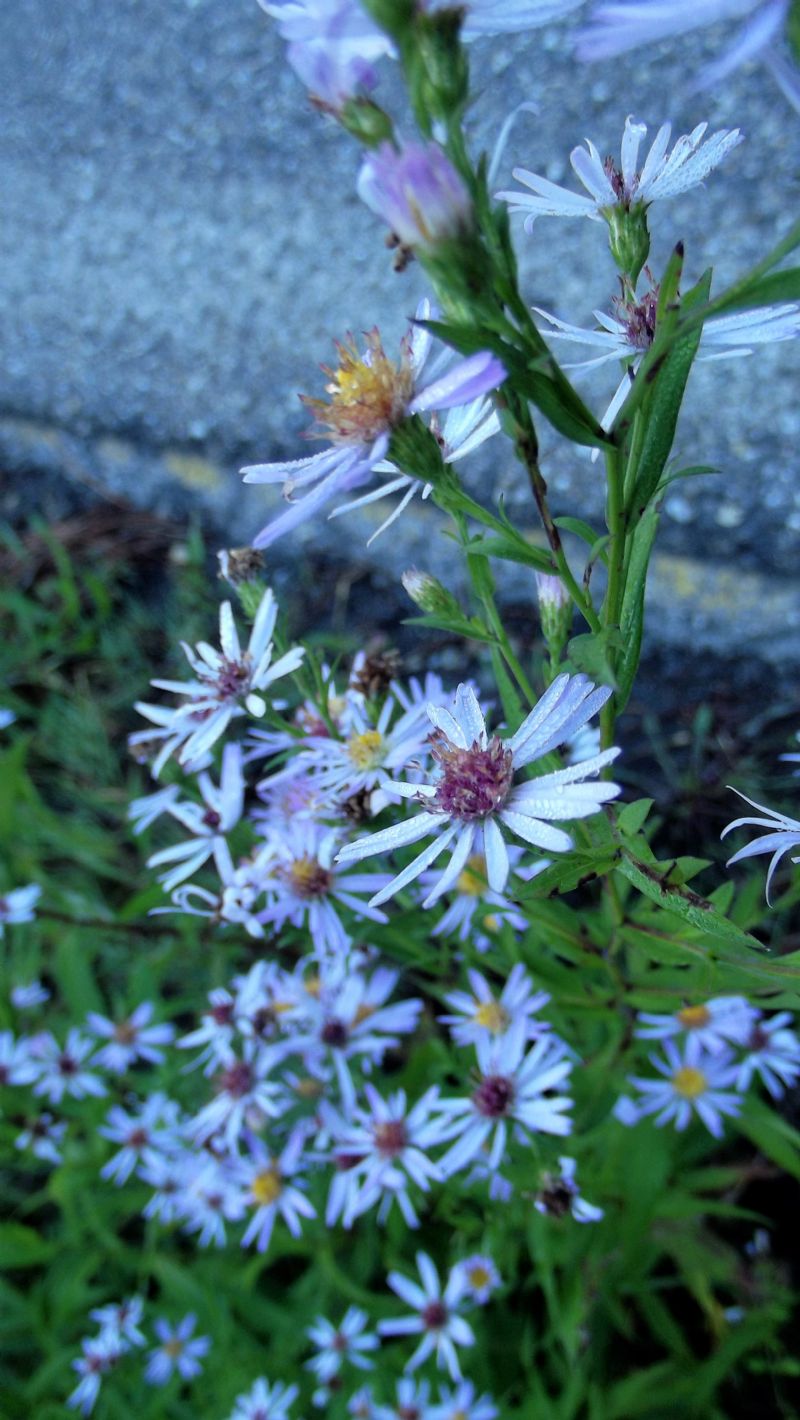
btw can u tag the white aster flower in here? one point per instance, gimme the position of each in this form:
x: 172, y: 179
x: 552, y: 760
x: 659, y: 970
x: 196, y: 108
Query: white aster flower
x: 29, y: 994
x: 377, y: 1151
x: 121, y: 1319
x: 177, y: 1351
x: 716, y: 1024
x: 463, y: 1404
x: 243, y: 1091
x: 515, y: 1089
x: 208, y: 823
x: 18, y: 906
x: 660, y: 176
x: 616, y: 26
x: 480, y: 1277
x: 153, y: 1126
x: 18, y: 1065
x: 273, y: 1188
x: 480, y: 1015
x: 559, y: 1194
x: 345, y: 1342
x: 131, y: 1039
x: 783, y: 835
x: 371, y: 397
x: 773, y: 1054
x: 228, y: 681
x: 264, y: 1401
x: 62, y: 1069
x: 475, y: 790
x: 100, y: 1355
x: 43, y: 1136
x: 436, y: 1316
x: 692, y: 1082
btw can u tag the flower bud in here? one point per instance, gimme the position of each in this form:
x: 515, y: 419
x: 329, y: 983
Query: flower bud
x: 555, y: 613
x: 429, y: 595
x: 628, y: 237
x: 244, y: 569
x: 418, y: 192
x: 366, y: 122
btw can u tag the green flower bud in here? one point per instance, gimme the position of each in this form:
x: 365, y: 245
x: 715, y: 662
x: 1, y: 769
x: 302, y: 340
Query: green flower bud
x: 555, y: 613
x: 429, y: 595
x: 628, y: 237
x: 366, y: 122
x: 244, y: 568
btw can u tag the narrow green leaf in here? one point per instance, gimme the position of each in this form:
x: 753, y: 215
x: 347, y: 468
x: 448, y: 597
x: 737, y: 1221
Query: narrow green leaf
x: 656, y: 882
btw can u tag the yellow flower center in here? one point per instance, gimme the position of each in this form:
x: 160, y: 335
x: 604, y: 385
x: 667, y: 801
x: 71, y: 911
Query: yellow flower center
x: 369, y: 393
x: 478, y: 1276
x: 693, y: 1017
x: 308, y: 878
x: 363, y: 1012
x: 365, y: 750
x: 173, y: 1348
x: 689, y: 1082
x: 472, y: 880
x: 266, y: 1186
x: 308, y: 1088
x: 493, y: 1016
x: 311, y: 986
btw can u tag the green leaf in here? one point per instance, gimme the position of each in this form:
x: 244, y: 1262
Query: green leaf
x: 574, y: 870
x: 656, y: 881
x: 590, y: 653
x: 23, y: 1247
x: 513, y: 551
x: 777, y: 286
x: 631, y: 818
x: 773, y: 1135
x: 469, y: 626
x: 631, y: 621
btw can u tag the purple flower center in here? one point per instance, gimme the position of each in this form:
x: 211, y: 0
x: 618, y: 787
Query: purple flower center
x: 494, y: 1096
x: 638, y: 317
x: 236, y: 1080
x: 391, y: 1137
x: 759, y: 1039
x: 474, y: 782
x: 67, y: 1066
x: 434, y: 1316
x: 232, y: 678
x: 222, y: 1013
x: 211, y: 818
x: 334, y: 1033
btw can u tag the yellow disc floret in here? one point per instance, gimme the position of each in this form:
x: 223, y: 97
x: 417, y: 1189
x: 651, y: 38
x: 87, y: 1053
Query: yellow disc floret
x: 366, y: 750
x: 266, y: 1186
x: 694, y: 1017
x: 472, y: 880
x: 492, y: 1016
x: 689, y: 1082
x: 369, y: 394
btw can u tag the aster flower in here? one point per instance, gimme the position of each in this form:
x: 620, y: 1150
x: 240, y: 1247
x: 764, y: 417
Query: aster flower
x: 130, y: 1040
x: 333, y: 46
x: 178, y: 1351
x: 121, y: 1319
x: 476, y: 913
x: 515, y: 1089
x: 243, y: 1090
x: 475, y: 789
x: 211, y: 1196
x: 273, y: 1188
x: 337, y: 1344
x: 378, y: 1150
x: 26, y: 996
x: 622, y: 25
x: 43, y: 1136
x: 208, y: 823
x: 371, y: 749
x: 559, y: 1194
x: 783, y: 835
x: 19, y: 905
x: 480, y: 1278
x: 371, y: 397
x: 152, y: 1126
x: 100, y: 1355
x: 480, y: 1015
x: 215, y: 1033
x: 411, y: 1402
x: 62, y: 1068
x: 463, y: 1404
x: 609, y: 187
x: 264, y: 1401
x: 305, y: 885
x: 17, y: 1064
x: 228, y: 682
x: 693, y: 1081
x: 416, y: 190
x: 436, y: 1316
x: 716, y: 1024
x: 773, y: 1054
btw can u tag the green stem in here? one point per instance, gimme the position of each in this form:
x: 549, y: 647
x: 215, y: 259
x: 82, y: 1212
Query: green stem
x: 616, y: 523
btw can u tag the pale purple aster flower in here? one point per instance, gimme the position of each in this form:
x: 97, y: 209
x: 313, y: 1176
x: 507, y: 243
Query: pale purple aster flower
x: 229, y: 681
x: 784, y: 835
x: 716, y: 1024
x: 559, y: 1194
x: 145, y: 811
x: 370, y: 750
x: 417, y: 192
x: 476, y: 913
x: 305, y: 885
x: 17, y: 1065
x: 361, y: 1405
x: 178, y: 1351
x: 515, y: 1088
x: 264, y: 1401
x: 693, y: 1081
x: 333, y: 46
x: 244, y: 1092
x: 62, y: 1068
x: 505, y: 17
x: 215, y: 1033
x: 616, y: 26
x: 130, y: 1040
x: 661, y: 175
x: 463, y: 1404
x: 121, y: 1319
x: 232, y: 906
x: 100, y: 1355
x: 171, y: 728
x: 371, y: 396
x: 31, y: 994
x: 773, y: 1054
x: 475, y: 790
x: 377, y: 1150
x: 274, y: 1188
x: 345, y: 1342
x: 211, y: 1196
x: 480, y: 1277
x: 208, y: 823
x: 436, y: 1316
x: 153, y: 1126
x: 166, y: 1175
x: 412, y: 1399
x: 266, y: 1002
x: 43, y: 1136
x: 480, y: 1015
x: 18, y: 905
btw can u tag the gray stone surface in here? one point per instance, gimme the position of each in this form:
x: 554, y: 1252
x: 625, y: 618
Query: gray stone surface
x: 181, y: 241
